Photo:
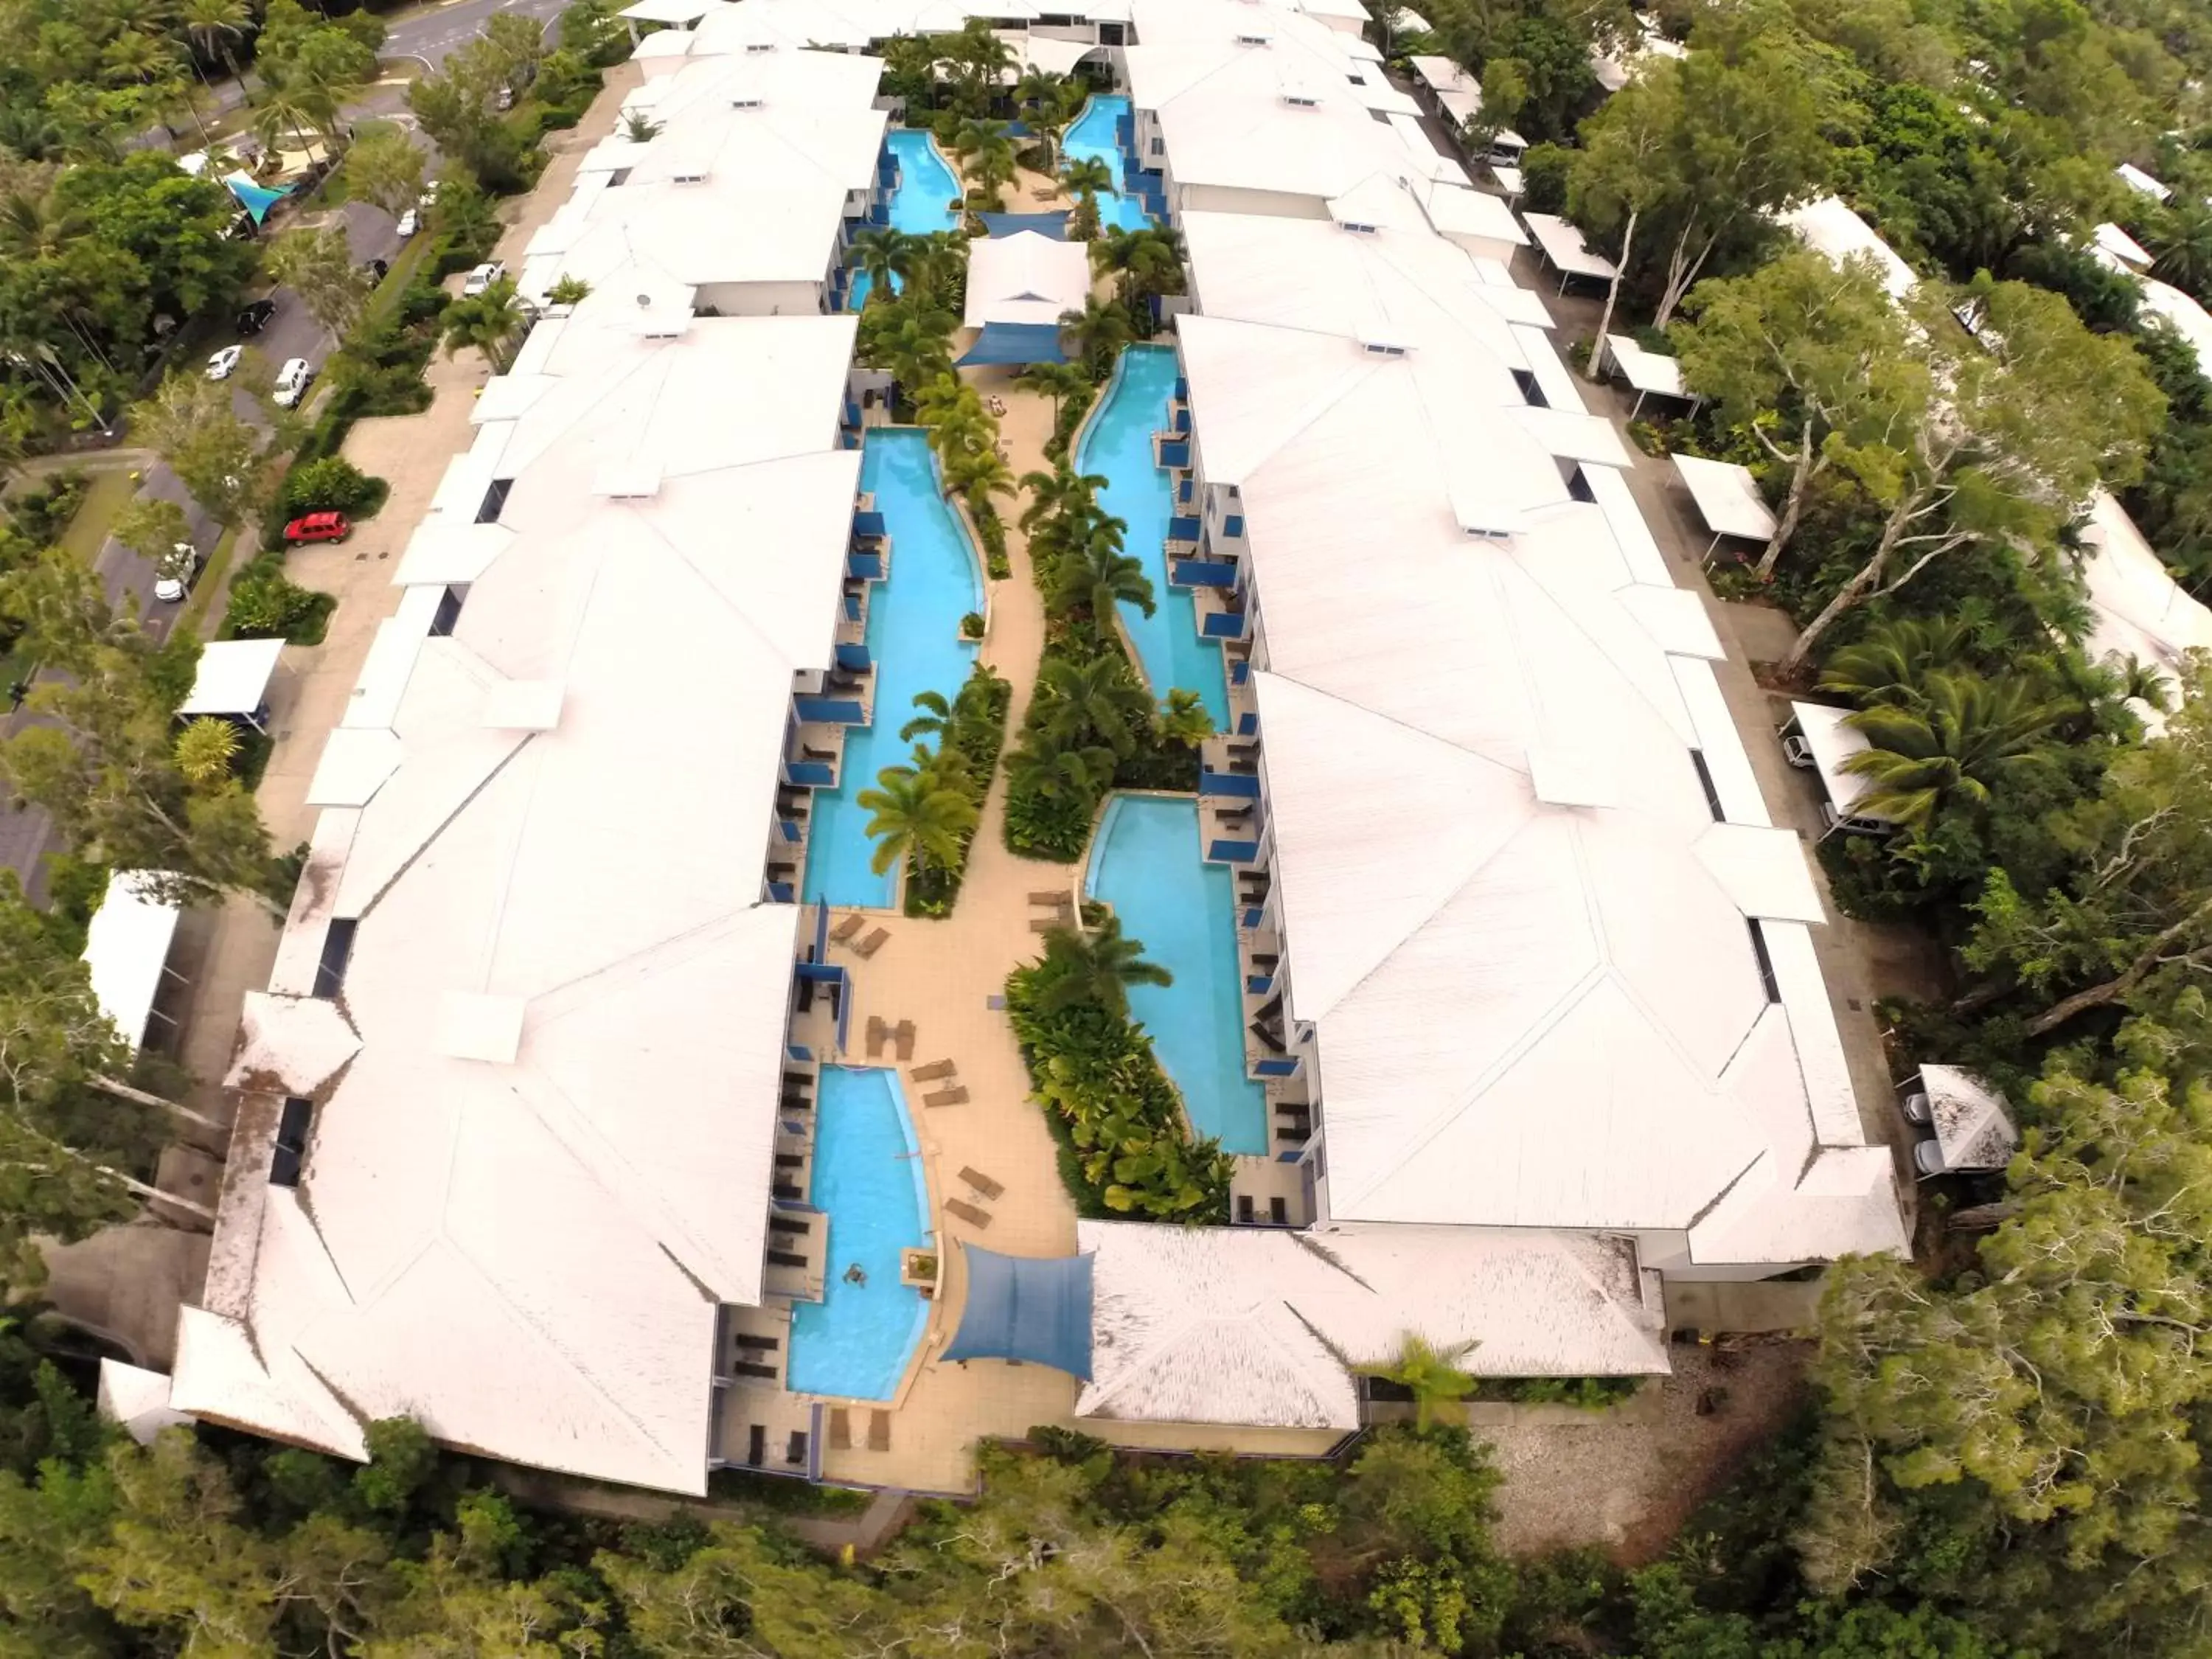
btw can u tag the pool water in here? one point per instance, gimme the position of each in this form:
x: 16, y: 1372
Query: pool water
x: 920, y: 204
x: 855, y: 1342
x: 914, y: 637
x: 1117, y: 445
x: 1093, y: 137
x: 1145, y: 864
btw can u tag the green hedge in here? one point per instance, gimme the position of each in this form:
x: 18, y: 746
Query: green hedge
x: 978, y: 713
x: 992, y: 529
x: 267, y: 604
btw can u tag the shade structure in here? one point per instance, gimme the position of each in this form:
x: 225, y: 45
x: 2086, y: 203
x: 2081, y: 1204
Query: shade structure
x: 1034, y: 1309
x: 125, y: 948
x: 1053, y: 225
x: 256, y: 199
x: 234, y: 678
x: 1016, y: 342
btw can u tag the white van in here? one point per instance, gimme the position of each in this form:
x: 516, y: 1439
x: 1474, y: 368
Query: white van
x: 292, y: 381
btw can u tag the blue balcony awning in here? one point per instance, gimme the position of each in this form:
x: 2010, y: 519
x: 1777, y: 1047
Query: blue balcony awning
x: 1016, y: 342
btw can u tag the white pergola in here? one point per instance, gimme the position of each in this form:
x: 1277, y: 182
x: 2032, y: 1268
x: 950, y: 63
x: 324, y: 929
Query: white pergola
x: 1973, y: 1130
x: 1563, y: 248
x: 1833, y: 743
x: 234, y: 681
x: 1727, y: 500
x: 127, y: 947
x: 1650, y: 373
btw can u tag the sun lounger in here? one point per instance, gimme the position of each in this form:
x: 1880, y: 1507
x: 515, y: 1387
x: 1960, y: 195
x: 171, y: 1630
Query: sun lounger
x: 903, y: 1040
x: 982, y: 1183
x: 1053, y: 897
x: 840, y: 1429
x: 879, y: 1431
x: 931, y: 1072
x: 873, y: 943
x: 846, y: 928
x: 878, y: 1034
x: 968, y: 1212
x: 955, y: 1096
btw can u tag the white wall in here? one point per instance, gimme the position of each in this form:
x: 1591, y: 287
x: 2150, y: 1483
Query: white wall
x: 1221, y: 198
x: 762, y: 299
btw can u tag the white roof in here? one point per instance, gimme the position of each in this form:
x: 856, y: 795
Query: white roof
x: 2183, y: 315
x: 1972, y: 1127
x: 669, y: 11
x: 1828, y: 226
x: 1727, y: 497
x: 1564, y: 247
x: 1025, y: 278
x: 1612, y: 1060
x: 234, y: 676
x: 1055, y: 56
x: 2123, y: 248
x: 2136, y: 178
x: 1265, y: 1327
x: 1833, y: 742
x: 126, y: 945
x: 1647, y: 371
x: 2141, y: 612
x: 541, y: 1149
x: 1458, y: 93
x: 137, y: 1400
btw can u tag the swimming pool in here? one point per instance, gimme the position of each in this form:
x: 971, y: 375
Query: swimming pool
x: 920, y: 204
x: 855, y: 1342
x: 1093, y: 137
x: 914, y: 637
x: 1145, y: 864
x: 1117, y: 444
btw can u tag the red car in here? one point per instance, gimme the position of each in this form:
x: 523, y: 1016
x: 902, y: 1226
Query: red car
x: 320, y: 527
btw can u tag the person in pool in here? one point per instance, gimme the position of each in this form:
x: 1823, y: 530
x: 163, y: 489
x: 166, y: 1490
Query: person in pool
x: 856, y: 1274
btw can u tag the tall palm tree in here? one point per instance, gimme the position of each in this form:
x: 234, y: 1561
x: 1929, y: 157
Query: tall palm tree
x: 1042, y: 99
x: 640, y: 128
x: 1093, y: 576
x: 2181, y: 237
x: 1183, y: 718
x: 912, y: 346
x: 1890, y: 663
x: 1143, y: 262
x: 1083, y: 178
x: 948, y: 400
x: 33, y: 225
x: 214, y: 27
x: 1095, y: 333
x: 1054, y: 494
x: 487, y: 321
x: 1095, y: 969
x: 1058, y: 381
x: 1432, y: 1374
x: 916, y: 814
x: 1093, y: 695
x: 1964, y: 737
x: 1044, y: 766
x: 286, y: 112
x: 887, y: 256
x: 937, y: 719
x: 978, y: 475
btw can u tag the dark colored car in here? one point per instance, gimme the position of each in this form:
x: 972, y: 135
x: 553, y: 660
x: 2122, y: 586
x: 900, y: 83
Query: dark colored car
x: 320, y: 527
x: 255, y: 316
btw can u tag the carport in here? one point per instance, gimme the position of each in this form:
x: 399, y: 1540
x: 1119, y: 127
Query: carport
x: 234, y: 682
x: 126, y: 947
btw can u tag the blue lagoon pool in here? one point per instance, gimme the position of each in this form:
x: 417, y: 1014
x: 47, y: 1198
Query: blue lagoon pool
x: 1145, y: 864
x: 914, y: 637
x: 1094, y: 137
x: 922, y: 202
x: 1117, y: 445
x: 855, y: 1342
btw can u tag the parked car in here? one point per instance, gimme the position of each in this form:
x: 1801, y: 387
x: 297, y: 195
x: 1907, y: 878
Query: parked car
x: 320, y: 527
x: 221, y: 365
x: 409, y: 222
x: 377, y: 268
x: 482, y: 278
x: 506, y: 98
x: 183, y: 570
x: 255, y: 316
x: 292, y: 381
x: 429, y: 198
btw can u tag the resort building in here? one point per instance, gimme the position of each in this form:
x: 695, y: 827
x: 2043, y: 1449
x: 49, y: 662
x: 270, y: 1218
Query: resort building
x: 1493, y: 971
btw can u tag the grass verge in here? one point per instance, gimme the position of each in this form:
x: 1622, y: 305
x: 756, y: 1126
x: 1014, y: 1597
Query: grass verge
x: 209, y: 584
x: 105, y: 495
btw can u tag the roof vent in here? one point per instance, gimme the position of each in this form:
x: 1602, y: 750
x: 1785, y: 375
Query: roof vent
x: 689, y: 175
x: 1254, y: 38
x: 747, y: 100
x: 752, y: 46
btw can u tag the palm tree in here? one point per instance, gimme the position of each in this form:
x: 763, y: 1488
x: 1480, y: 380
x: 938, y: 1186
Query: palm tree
x: 1053, y: 494
x: 1097, y: 573
x: 1083, y: 178
x: 978, y: 475
x: 1964, y: 737
x: 1144, y: 262
x: 948, y: 400
x: 1042, y: 99
x: 1095, y: 969
x: 1183, y: 718
x: 1058, y: 381
x: 287, y: 110
x: 1044, y: 766
x: 939, y: 718
x: 1432, y: 1374
x: 640, y: 128
x: 1094, y: 696
x: 887, y: 257
x: 911, y: 347
x: 915, y: 815
x: 33, y: 225
x: 2181, y: 237
x: 205, y: 749
x: 1890, y: 663
x: 1095, y: 333
x: 486, y: 320
x: 214, y: 27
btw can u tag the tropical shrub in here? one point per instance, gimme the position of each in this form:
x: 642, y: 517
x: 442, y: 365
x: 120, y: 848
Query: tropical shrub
x: 266, y: 604
x: 970, y: 729
x: 332, y: 485
x: 1125, y: 1147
